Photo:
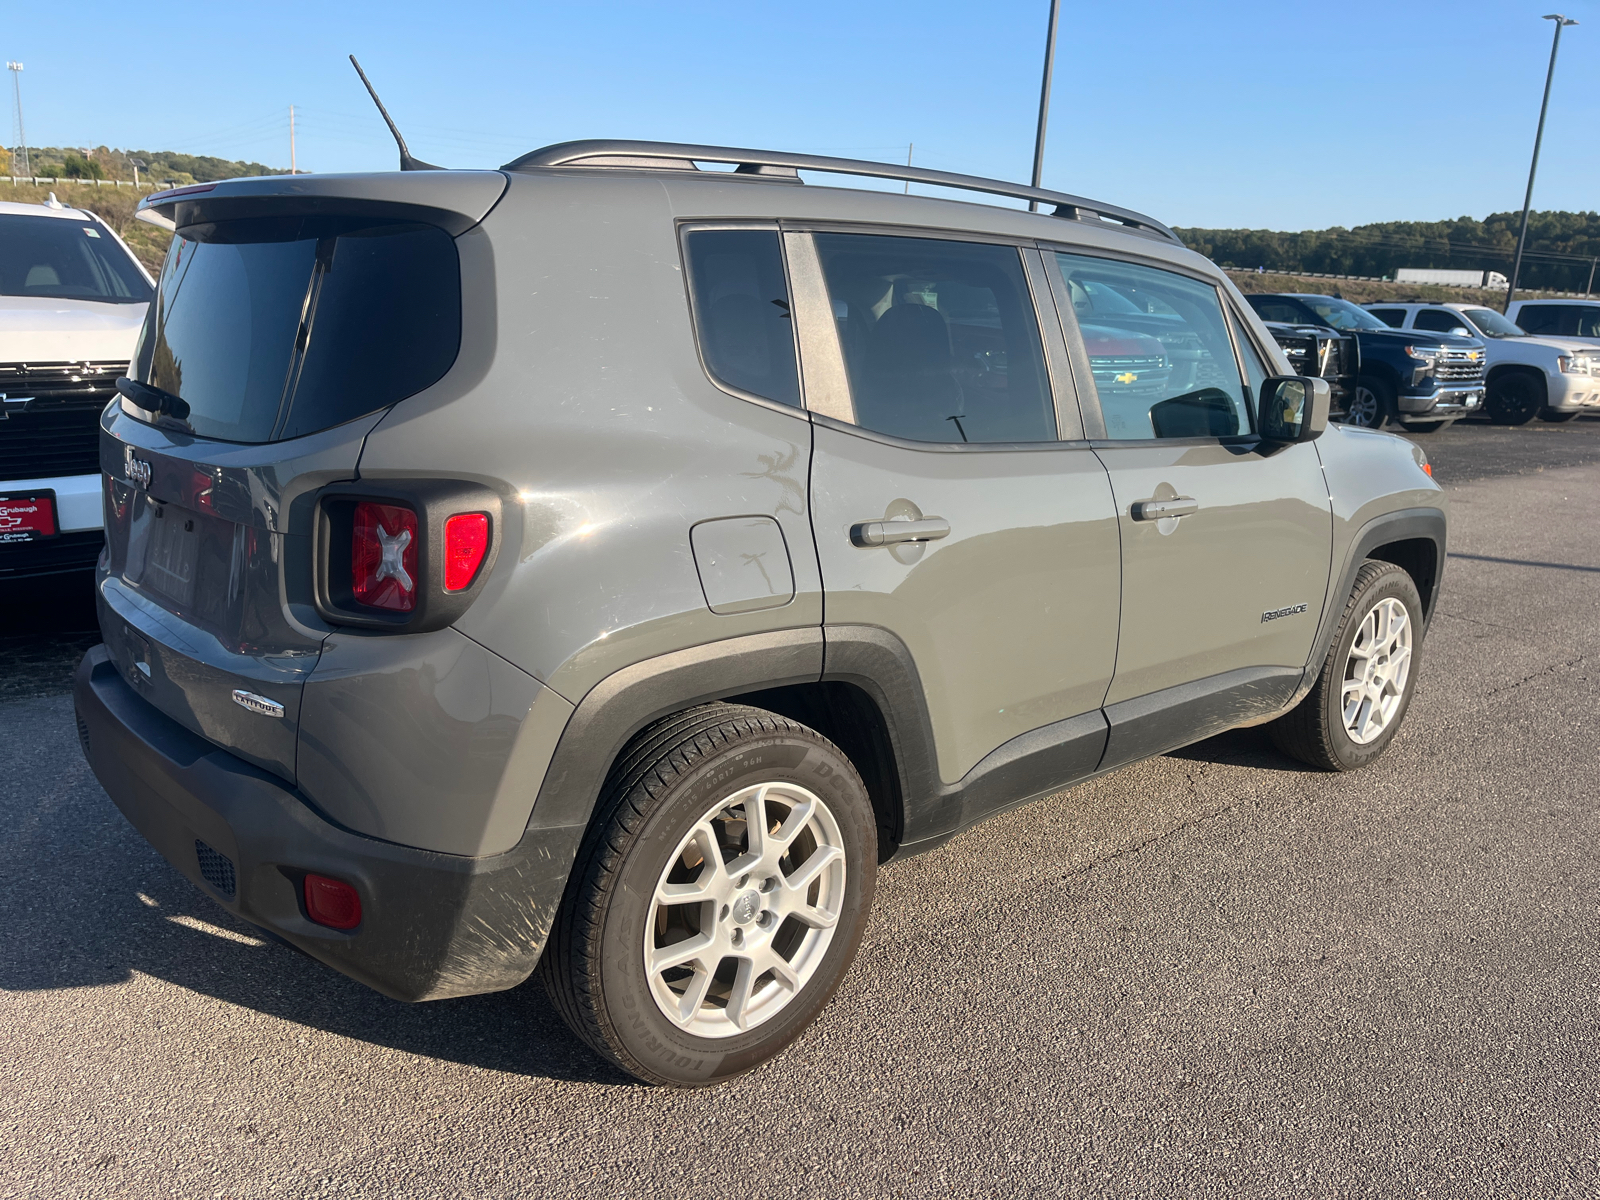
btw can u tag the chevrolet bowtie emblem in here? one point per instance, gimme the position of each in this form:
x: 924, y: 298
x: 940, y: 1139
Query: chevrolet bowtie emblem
x: 1127, y: 377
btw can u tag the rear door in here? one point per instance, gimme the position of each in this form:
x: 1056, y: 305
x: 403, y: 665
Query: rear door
x: 952, y: 508
x: 279, y: 342
x: 1226, y: 542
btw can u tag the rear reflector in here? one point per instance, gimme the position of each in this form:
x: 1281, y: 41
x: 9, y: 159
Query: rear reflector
x: 383, y: 557
x: 466, y: 541
x: 332, y: 902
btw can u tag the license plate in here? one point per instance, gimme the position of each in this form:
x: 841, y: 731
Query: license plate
x: 163, y: 551
x: 28, y: 517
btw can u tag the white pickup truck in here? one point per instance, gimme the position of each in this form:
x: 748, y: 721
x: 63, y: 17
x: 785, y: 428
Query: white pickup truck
x: 1552, y: 378
x: 72, y: 299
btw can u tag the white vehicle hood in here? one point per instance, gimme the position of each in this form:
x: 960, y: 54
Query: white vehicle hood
x: 35, y: 329
x: 1560, y: 344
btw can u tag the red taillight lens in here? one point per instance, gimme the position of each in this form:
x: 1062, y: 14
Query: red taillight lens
x: 332, y: 902
x: 383, y: 557
x: 466, y: 541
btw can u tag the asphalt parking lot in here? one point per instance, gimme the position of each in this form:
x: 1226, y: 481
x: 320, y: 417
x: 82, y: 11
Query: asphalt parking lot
x: 1215, y: 973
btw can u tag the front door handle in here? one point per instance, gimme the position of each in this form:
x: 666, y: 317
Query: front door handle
x: 892, y: 533
x: 1155, y: 510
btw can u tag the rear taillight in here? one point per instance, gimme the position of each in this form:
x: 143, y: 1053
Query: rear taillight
x: 466, y: 541
x: 383, y: 557
x: 332, y: 902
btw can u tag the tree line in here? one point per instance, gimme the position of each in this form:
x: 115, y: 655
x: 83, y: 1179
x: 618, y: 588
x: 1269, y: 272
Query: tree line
x: 1561, y: 247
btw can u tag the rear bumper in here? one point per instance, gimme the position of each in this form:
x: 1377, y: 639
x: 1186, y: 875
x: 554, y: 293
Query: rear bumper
x: 433, y: 925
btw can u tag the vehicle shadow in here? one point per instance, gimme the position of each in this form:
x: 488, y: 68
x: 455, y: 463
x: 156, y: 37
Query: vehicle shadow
x: 86, y: 903
x: 1251, y: 747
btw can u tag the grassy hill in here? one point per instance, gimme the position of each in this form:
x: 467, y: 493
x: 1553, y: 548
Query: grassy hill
x: 156, y: 166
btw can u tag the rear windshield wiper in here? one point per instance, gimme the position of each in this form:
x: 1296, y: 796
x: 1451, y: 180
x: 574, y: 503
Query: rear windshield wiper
x: 153, y: 399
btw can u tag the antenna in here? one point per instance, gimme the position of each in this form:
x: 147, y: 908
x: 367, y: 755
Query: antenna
x: 407, y: 163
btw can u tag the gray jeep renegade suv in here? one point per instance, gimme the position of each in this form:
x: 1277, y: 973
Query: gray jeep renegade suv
x: 604, y: 564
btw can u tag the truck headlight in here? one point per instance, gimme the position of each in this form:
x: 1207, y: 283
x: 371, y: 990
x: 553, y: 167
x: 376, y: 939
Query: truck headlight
x: 1577, y: 364
x: 1428, y: 355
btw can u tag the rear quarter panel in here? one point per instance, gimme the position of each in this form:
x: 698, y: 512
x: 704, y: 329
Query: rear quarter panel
x: 595, y: 421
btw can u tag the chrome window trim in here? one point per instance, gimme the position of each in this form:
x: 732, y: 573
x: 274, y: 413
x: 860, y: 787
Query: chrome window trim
x: 824, y: 382
x: 888, y: 439
x: 1058, y: 363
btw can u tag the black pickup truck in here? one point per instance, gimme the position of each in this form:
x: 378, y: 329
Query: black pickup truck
x: 1321, y: 351
x: 1422, y: 381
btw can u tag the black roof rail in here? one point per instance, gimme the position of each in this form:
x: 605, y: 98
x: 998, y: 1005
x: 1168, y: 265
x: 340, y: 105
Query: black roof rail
x: 674, y: 156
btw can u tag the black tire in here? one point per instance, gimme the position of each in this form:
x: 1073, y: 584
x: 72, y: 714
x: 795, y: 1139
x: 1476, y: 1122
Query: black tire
x: 1315, y: 731
x: 1514, y: 399
x: 1559, y: 418
x: 1371, y: 403
x: 1426, y: 426
x: 672, y: 776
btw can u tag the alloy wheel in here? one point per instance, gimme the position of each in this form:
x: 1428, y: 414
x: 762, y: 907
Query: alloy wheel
x: 1376, y: 671
x: 745, y: 910
x: 1364, y: 408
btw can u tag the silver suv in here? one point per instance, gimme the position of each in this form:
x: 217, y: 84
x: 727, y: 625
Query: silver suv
x: 605, y: 564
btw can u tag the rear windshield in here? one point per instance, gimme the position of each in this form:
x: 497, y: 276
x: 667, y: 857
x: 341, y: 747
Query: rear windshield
x: 275, y: 328
x: 61, y: 258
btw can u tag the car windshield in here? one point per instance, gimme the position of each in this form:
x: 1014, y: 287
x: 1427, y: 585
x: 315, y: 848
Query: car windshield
x: 1341, y: 314
x: 61, y: 258
x: 1493, y: 324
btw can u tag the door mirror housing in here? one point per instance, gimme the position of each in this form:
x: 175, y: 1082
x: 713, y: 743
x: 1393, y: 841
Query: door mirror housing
x: 1461, y: 331
x: 1294, y: 408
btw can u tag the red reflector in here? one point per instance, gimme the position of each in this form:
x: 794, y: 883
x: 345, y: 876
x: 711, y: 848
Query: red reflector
x: 1428, y: 467
x: 383, y: 557
x: 466, y: 541
x: 332, y: 902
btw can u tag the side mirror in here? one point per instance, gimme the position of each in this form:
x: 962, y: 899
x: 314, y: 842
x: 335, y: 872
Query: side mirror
x: 1461, y: 331
x: 1294, y: 408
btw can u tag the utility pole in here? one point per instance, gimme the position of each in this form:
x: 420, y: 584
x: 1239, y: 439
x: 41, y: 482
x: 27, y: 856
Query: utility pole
x: 292, y: 170
x: 22, y: 136
x: 1527, y: 201
x: 910, y: 146
x: 1044, y: 99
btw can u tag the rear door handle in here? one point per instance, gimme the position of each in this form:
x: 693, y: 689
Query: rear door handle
x: 1155, y: 510
x: 892, y: 533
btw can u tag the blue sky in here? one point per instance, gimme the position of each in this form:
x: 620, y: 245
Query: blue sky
x: 1261, y: 113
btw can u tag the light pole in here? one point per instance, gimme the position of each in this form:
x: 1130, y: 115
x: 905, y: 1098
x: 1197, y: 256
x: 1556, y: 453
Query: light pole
x: 1044, y: 99
x: 22, y: 136
x: 1527, y: 201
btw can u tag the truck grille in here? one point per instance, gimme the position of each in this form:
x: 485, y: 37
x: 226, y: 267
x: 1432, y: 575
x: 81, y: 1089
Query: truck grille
x: 1458, y: 366
x: 1340, y: 358
x: 1130, y: 375
x: 51, y: 424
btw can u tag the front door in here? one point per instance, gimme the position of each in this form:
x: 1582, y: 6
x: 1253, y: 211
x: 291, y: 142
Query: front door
x: 1226, y: 541
x: 948, y: 509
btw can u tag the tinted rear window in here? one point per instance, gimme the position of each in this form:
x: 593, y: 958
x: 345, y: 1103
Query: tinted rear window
x: 65, y: 259
x: 741, y: 311
x: 1561, y: 320
x: 271, y: 329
